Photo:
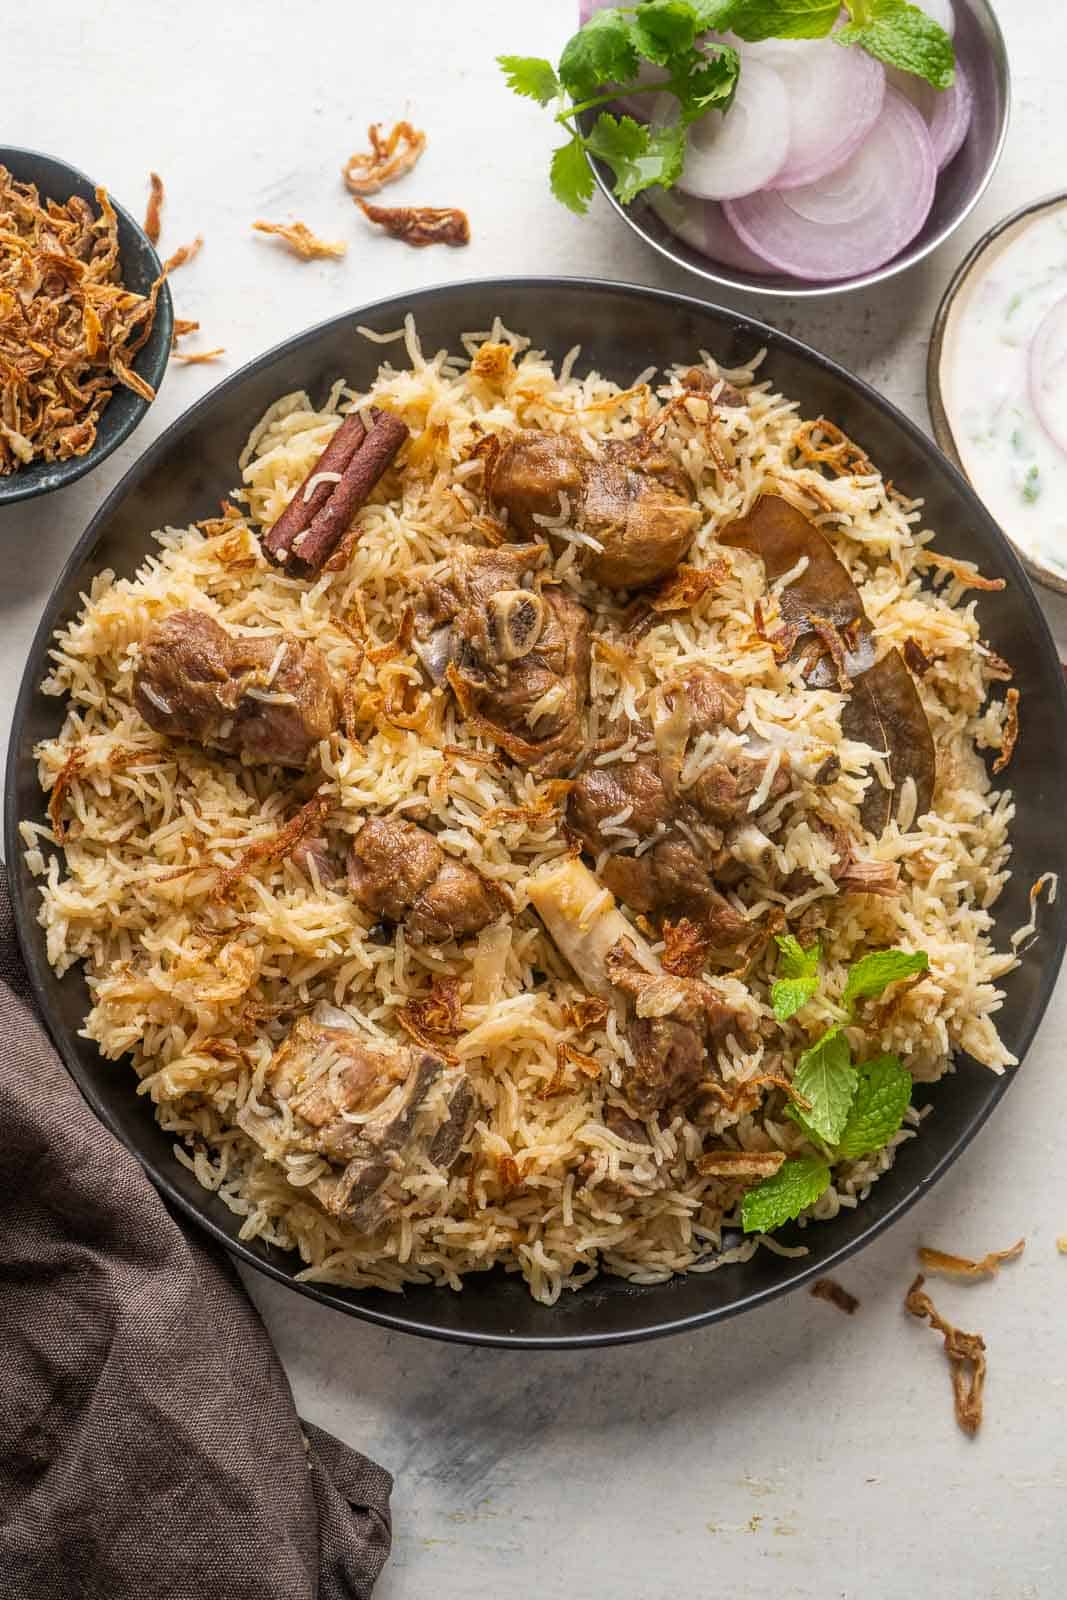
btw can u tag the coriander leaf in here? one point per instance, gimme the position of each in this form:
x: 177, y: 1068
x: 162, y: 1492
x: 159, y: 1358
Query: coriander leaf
x: 882, y: 1097
x: 638, y: 156
x: 531, y: 76
x: 602, y: 51
x: 825, y: 1076
x: 799, y: 979
x: 571, y: 176
x: 783, y: 19
x: 872, y: 974
x: 662, y: 28
x: 903, y: 36
x: 796, y: 1185
x: 704, y: 83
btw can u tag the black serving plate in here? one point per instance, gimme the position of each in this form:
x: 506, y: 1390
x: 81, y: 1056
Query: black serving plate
x: 621, y: 329
x: 140, y: 266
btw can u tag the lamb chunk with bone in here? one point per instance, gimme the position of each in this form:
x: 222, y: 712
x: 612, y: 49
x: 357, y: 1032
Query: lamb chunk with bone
x: 371, y: 1113
x: 268, y: 698
x: 515, y: 654
x: 673, y: 1025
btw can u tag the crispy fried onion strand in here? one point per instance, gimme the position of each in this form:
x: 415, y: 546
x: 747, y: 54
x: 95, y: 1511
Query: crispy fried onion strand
x: 965, y: 1353
x: 389, y: 158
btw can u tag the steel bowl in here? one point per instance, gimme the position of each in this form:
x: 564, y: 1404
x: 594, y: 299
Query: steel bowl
x: 140, y: 265
x: 621, y: 330
x: 980, y: 46
x: 963, y: 280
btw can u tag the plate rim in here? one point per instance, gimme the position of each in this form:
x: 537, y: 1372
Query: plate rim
x: 28, y: 930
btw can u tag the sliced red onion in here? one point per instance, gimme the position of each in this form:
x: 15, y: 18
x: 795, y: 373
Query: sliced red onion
x: 940, y: 11
x: 703, y: 224
x: 741, y: 150
x: 1048, y: 373
x: 834, y: 98
x: 856, y: 218
x: 947, y: 111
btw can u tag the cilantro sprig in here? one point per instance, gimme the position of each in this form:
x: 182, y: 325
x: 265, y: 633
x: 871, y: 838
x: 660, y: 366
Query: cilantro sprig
x: 609, y: 53
x: 851, y: 1109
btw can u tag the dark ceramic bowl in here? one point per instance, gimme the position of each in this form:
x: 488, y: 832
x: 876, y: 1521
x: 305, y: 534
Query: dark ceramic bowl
x: 980, y: 47
x: 141, y: 266
x: 621, y: 330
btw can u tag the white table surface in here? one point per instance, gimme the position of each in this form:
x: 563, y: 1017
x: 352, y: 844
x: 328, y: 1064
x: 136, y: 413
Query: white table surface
x: 795, y: 1452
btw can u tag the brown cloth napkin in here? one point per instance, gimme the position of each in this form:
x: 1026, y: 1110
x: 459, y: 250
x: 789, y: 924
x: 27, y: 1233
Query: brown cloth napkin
x: 148, y: 1443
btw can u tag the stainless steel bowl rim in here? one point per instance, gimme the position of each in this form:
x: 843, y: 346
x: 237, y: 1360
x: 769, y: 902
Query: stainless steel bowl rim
x: 777, y: 286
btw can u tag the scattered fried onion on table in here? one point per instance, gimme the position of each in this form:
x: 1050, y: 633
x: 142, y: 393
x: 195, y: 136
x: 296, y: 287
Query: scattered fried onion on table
x: 300, y: 239
x: 420, y: 225
x: 152, y: 220
x: 69, y: 328
x: 965, y: 1353
x: 388, y: 160
x: 829, y: 1289
x: 964, y: 1267
x: 194, y: 358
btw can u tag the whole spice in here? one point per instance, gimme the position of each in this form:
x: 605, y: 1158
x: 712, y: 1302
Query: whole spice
x: 420, y: 225
x: 311, y: 526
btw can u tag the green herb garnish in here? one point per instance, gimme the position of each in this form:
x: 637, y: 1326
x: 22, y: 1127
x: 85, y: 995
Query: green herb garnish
x: 796, y: 1185
x: 799, y: 969
x: 852, y: 1108
x: 883, y: 1094
x: 871, y: 975
x: 826, y: 1077
x: 1031, y: 486
x: 607, y: 54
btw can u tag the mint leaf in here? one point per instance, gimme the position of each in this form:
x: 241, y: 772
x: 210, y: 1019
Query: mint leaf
x: 903, y: 36
x: 603, y: 51
x: 638, y: 156
x: 796, y: 1185
x: 783, y: 19
x: 789, y: 994
x: 794, y: 960
x: 882, y: 1097
x: 661, y: 28
x: 571, y: 177
x: 872, y: 974
x: 713, y: 14
x: 825, y: 1076
x: 531, y: 76
x: 800, y: 976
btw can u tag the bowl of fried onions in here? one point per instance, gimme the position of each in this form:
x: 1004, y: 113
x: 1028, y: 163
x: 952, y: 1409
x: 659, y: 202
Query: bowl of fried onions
x: 86, y: 323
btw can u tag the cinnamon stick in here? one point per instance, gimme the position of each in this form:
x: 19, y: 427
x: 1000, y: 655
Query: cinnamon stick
x: 299, y: 512
x: 310, y: 548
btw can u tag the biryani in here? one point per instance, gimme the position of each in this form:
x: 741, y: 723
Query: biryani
x: 539, y: 824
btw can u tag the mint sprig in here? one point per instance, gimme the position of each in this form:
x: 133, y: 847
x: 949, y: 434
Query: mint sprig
x: 607, y: 53
x: 902, y: 36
